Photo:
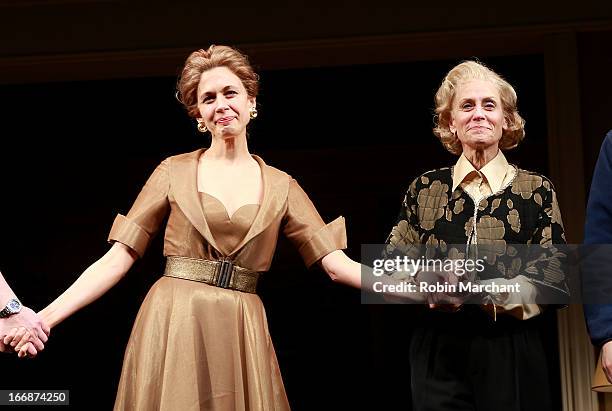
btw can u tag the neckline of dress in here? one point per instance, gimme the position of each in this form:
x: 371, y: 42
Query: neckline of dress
x: 225, y: 208
x: 261, y: 165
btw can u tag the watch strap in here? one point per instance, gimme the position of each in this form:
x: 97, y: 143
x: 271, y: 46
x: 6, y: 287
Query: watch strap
x: 6, y: 311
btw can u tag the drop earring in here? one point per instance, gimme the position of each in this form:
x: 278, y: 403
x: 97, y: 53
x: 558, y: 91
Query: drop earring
x: 201, y: 126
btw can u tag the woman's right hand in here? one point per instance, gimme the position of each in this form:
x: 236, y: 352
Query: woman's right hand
x: 22, y: 327
x: 92, y: 284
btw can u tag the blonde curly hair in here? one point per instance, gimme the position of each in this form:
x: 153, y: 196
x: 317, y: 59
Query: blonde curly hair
x: 464, y: 72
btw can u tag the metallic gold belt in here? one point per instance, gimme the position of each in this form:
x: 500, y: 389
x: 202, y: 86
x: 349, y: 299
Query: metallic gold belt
x: 222, y: 273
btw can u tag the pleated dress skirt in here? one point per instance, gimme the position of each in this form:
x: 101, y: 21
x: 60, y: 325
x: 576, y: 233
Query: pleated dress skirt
x: 200, y: 347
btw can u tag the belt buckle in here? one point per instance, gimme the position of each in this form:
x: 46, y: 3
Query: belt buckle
x: 225, y: 269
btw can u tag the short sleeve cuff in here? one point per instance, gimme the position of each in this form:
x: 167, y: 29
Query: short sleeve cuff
x: 329, y: 238
x: 129, y: 233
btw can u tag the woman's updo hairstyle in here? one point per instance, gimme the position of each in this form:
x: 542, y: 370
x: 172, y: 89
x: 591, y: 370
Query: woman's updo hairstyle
x: 202, y: 60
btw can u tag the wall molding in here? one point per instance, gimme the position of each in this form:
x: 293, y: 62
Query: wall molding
x: 112, y: 64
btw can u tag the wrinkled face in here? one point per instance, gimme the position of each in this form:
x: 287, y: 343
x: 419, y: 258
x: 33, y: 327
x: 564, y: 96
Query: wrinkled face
x: 477, y: 115
x: 224, y: 103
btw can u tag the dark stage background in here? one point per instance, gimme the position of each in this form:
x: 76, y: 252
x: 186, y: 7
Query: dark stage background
x: 74, y: 154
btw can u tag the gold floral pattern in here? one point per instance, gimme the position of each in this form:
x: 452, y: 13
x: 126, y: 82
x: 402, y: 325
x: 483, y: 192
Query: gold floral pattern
x: 525, y: 184
x: 555, y: 215
x: 491, y: 232
x: 431, y: 247
x: 458, y: 208
x: 443, y: 246
x: 515, y: 268
x: 538, y: 199
x: 428, y: 219
x: 514, y: 220
x: 546, y: 236
x: 553, y: 272
x: 403, y: 236
x: 431, y: 203
x: 495, y: 204
x: 455, y: 254
x: 490, y: 228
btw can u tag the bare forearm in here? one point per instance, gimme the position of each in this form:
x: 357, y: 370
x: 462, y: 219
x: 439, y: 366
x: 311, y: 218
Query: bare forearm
x: 5, y: 292
x: 91, y: 285
x: 346, y: 271
x: 342, y: 269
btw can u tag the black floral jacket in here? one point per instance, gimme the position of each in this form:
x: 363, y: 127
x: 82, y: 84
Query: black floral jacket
x: 525, y: 211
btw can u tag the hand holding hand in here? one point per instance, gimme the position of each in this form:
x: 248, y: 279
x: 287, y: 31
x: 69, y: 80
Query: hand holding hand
x: 446, y: 300
x: 24, y: 329
x: 22, y: 341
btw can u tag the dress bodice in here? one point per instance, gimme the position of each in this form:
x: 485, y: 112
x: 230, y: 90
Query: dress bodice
x: 227, y: 230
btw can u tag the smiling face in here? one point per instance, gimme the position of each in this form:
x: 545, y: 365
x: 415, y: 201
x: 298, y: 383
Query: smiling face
x: 477, y: 115
x: 224, y: 103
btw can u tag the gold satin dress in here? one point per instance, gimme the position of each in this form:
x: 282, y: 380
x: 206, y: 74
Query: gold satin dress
x: 199, y: 347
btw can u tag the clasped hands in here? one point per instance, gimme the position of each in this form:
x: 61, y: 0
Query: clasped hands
x: 442, y: 298
x: 25, y: 333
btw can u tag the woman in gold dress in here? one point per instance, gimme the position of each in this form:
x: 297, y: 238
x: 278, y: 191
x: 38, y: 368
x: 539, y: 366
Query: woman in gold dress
x: 200, y: 340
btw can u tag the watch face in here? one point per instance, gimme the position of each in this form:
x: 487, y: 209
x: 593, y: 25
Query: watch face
x: 14, y: 306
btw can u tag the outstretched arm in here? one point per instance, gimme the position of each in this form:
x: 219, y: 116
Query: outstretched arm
x: 96, y: 280
x: 25, y: 323
x: 131, y: 235
x: 343, y: 269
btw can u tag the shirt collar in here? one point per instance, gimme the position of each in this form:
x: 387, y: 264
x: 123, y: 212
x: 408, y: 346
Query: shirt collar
x: 494, y: 171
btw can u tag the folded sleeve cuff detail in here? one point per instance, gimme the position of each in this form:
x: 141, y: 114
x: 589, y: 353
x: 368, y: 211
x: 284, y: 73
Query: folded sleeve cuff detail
x: 328, y: 238
x: 129, y: 233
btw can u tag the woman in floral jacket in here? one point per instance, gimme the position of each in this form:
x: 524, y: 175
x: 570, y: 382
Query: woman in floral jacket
x: 488, y: 355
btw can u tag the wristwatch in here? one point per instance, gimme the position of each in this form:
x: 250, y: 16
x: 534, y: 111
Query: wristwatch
x: 12, y: 307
